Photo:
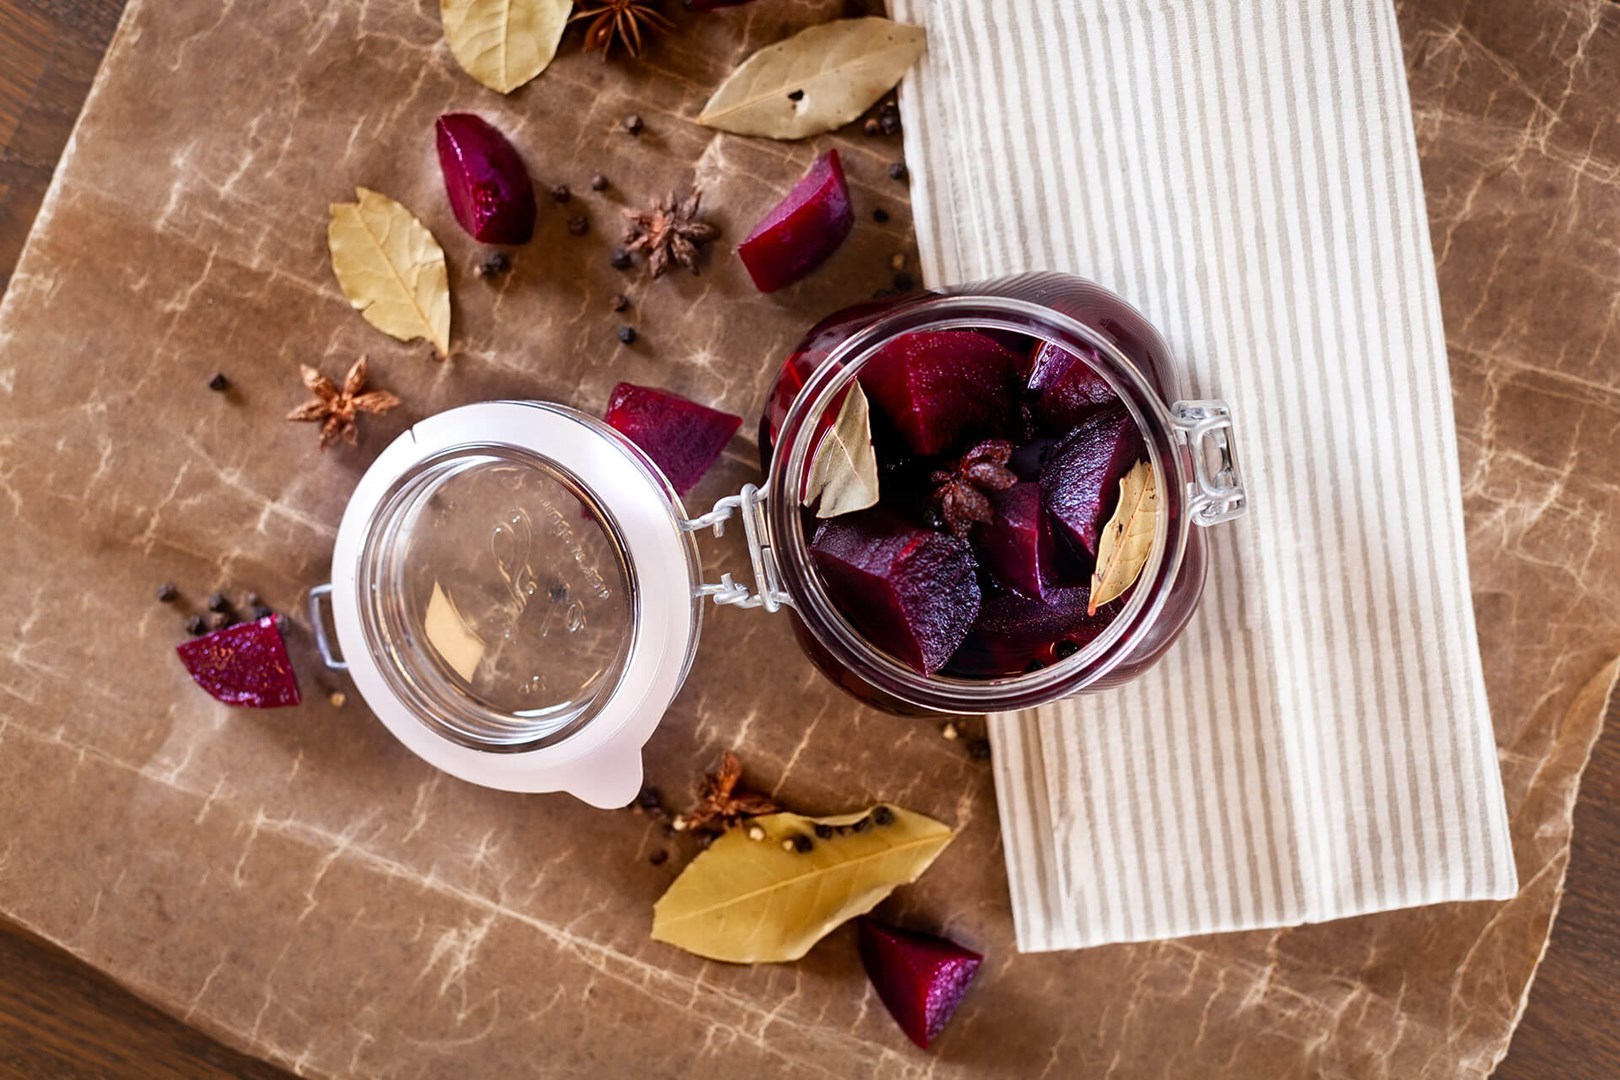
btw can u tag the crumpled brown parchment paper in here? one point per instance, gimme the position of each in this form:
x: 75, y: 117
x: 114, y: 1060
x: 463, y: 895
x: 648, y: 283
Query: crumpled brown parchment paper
x: 299, y: 885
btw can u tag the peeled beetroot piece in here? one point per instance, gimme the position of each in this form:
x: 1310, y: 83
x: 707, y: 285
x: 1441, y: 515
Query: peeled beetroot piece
x: 921, y: 979
x: 804, y: 229
x: 937, y: 386
x: 1019, y: 547
x: 1065, y: 389
x: 1014, y: 631
x: 245, y: 664
x: 683, y: 438
x: 913, y: 592
x: 1080, y: 483
x: 490, y: 190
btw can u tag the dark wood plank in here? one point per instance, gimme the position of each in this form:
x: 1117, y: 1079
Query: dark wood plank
x: 1571, y: 1028
x: 60, y: 1017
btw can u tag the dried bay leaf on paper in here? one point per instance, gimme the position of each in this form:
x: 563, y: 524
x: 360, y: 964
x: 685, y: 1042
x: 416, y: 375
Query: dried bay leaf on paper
x: 817, y: 80
x: 1127, y: 539
x: 844, y: 472
x: 750, y: 901
x: 504, y: 43
x: 391, y: 269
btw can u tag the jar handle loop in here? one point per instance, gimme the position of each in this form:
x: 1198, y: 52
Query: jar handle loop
x: 1218, y: 492
x: 767, y: 591
x: 317, y: 620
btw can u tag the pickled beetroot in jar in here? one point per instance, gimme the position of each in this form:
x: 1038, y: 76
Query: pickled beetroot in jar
x: 1003, y: 418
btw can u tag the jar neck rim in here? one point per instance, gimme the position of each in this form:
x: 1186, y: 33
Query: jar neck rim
x: 791, y: 461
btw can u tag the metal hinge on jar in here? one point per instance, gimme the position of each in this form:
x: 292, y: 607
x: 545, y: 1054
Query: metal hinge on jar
x: 1217, y: 490
x: 767, y: 592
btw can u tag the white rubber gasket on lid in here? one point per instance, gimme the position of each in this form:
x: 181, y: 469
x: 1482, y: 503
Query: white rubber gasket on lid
x: 601, y: 763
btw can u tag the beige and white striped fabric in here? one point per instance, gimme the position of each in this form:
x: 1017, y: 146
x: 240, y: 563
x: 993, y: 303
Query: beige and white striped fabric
x: 1319, y: 744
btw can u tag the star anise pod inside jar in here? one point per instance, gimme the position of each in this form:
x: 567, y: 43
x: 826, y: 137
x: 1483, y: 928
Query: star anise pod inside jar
x: 961, y: 492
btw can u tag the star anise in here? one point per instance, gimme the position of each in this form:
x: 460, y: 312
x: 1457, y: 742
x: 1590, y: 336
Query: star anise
x: 669, y: 233
x: 723, y: 804
x: 620, y: 20
x: 960, y: 494
x: 336, y: 410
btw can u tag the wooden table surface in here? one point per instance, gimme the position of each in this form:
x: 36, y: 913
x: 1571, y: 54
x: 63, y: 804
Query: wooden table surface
x: 60, y: 1017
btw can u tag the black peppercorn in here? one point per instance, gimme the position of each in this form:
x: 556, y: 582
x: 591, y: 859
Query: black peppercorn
x: 824, y: 831
x: 167, y: 592
x: 620, y: 302
x: 219, y: 383
x: 1066, y: 649
x: 558, y: 593
x: 796, y: 95
x: 633, y: 124
x: 598, y: 182
x: 658, y: 858
x: 1032, y: 667
x: 862, y: 825
x: 620, y: 259
x: 883, y: 816
x: 802, y: 843
x: 218, y: 603
x: 889, y: 118
x: 627, y: 334
x: 881, y: 216
x: 649, y: 798
x: 904, y: 282
x: 262, y: 611
x: 494, y: 264
x: 898, y: 171
x: 979, y: 750
x: 196, y: 626
x: 560, y: 193
x: 578, y: 225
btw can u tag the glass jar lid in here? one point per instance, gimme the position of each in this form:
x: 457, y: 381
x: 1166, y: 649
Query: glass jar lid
x: 517, y: 599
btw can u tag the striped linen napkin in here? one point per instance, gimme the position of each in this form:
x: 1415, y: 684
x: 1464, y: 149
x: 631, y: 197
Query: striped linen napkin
x: 1318, y: 744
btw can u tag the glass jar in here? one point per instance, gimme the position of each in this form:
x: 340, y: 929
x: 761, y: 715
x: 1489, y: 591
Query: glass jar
x: 517, y: 594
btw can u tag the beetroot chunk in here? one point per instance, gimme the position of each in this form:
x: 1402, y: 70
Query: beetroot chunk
x: 1018, y: 546
x: 683, y: 438
x: 938, y: 386
x: 921, y: 979
x: 1013, y: 632
x: 245, y: 665
x: 1080, y: 483
x: 912, y: 591
x: 489, y: 188
x: 1065, y: 389
x: 803, y: 230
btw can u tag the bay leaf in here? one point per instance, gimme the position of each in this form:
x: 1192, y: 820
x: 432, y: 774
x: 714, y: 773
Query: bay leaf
x: 504, y: 43
x: 750, y: 901
x: 391, y: 269
x: 1127, y: 539
x: 817, y: 80
x: 844, y: 471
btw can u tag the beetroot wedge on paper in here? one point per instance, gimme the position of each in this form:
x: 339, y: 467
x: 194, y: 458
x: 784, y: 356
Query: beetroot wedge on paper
x: 489, y: 187
x: 921, y: 979
x: 683, y: 438
x: 245, y: 665
x: 803, y: 230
